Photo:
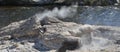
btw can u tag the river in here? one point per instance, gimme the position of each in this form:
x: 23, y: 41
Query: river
x: 94, y: 15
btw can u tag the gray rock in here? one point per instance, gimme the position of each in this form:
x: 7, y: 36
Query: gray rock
x: 51, y: 36
x: 21, y: 28
x: 49, y: 20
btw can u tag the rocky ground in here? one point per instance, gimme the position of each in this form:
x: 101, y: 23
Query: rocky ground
x: 47, y: 35
x: 51, y: 32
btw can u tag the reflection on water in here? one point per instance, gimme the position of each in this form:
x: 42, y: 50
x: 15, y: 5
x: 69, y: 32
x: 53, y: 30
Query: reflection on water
x: 11, y: 14
x: 101, y: 16
x: 107, y: 15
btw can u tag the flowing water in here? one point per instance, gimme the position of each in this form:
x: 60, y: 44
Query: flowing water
x: 101, y: 16
x: 107, y: 15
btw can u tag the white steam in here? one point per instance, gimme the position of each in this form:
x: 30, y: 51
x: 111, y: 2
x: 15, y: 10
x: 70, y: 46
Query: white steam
x: 63, y: 12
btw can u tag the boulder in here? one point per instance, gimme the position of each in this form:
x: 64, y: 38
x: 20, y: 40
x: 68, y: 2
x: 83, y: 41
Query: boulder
x: 30, y: 35
x: 23, y: 28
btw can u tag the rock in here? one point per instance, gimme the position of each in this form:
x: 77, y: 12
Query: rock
x: 7, y: 37
x: 30, y: 36
x: 56, y: 33
x: 21, y: 29
x: 117, y: 42
x: 69, y: 45
x: 49, y: 20
x: 88, y: 35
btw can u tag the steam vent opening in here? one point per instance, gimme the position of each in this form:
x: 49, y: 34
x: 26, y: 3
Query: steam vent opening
x: 59, y: 26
